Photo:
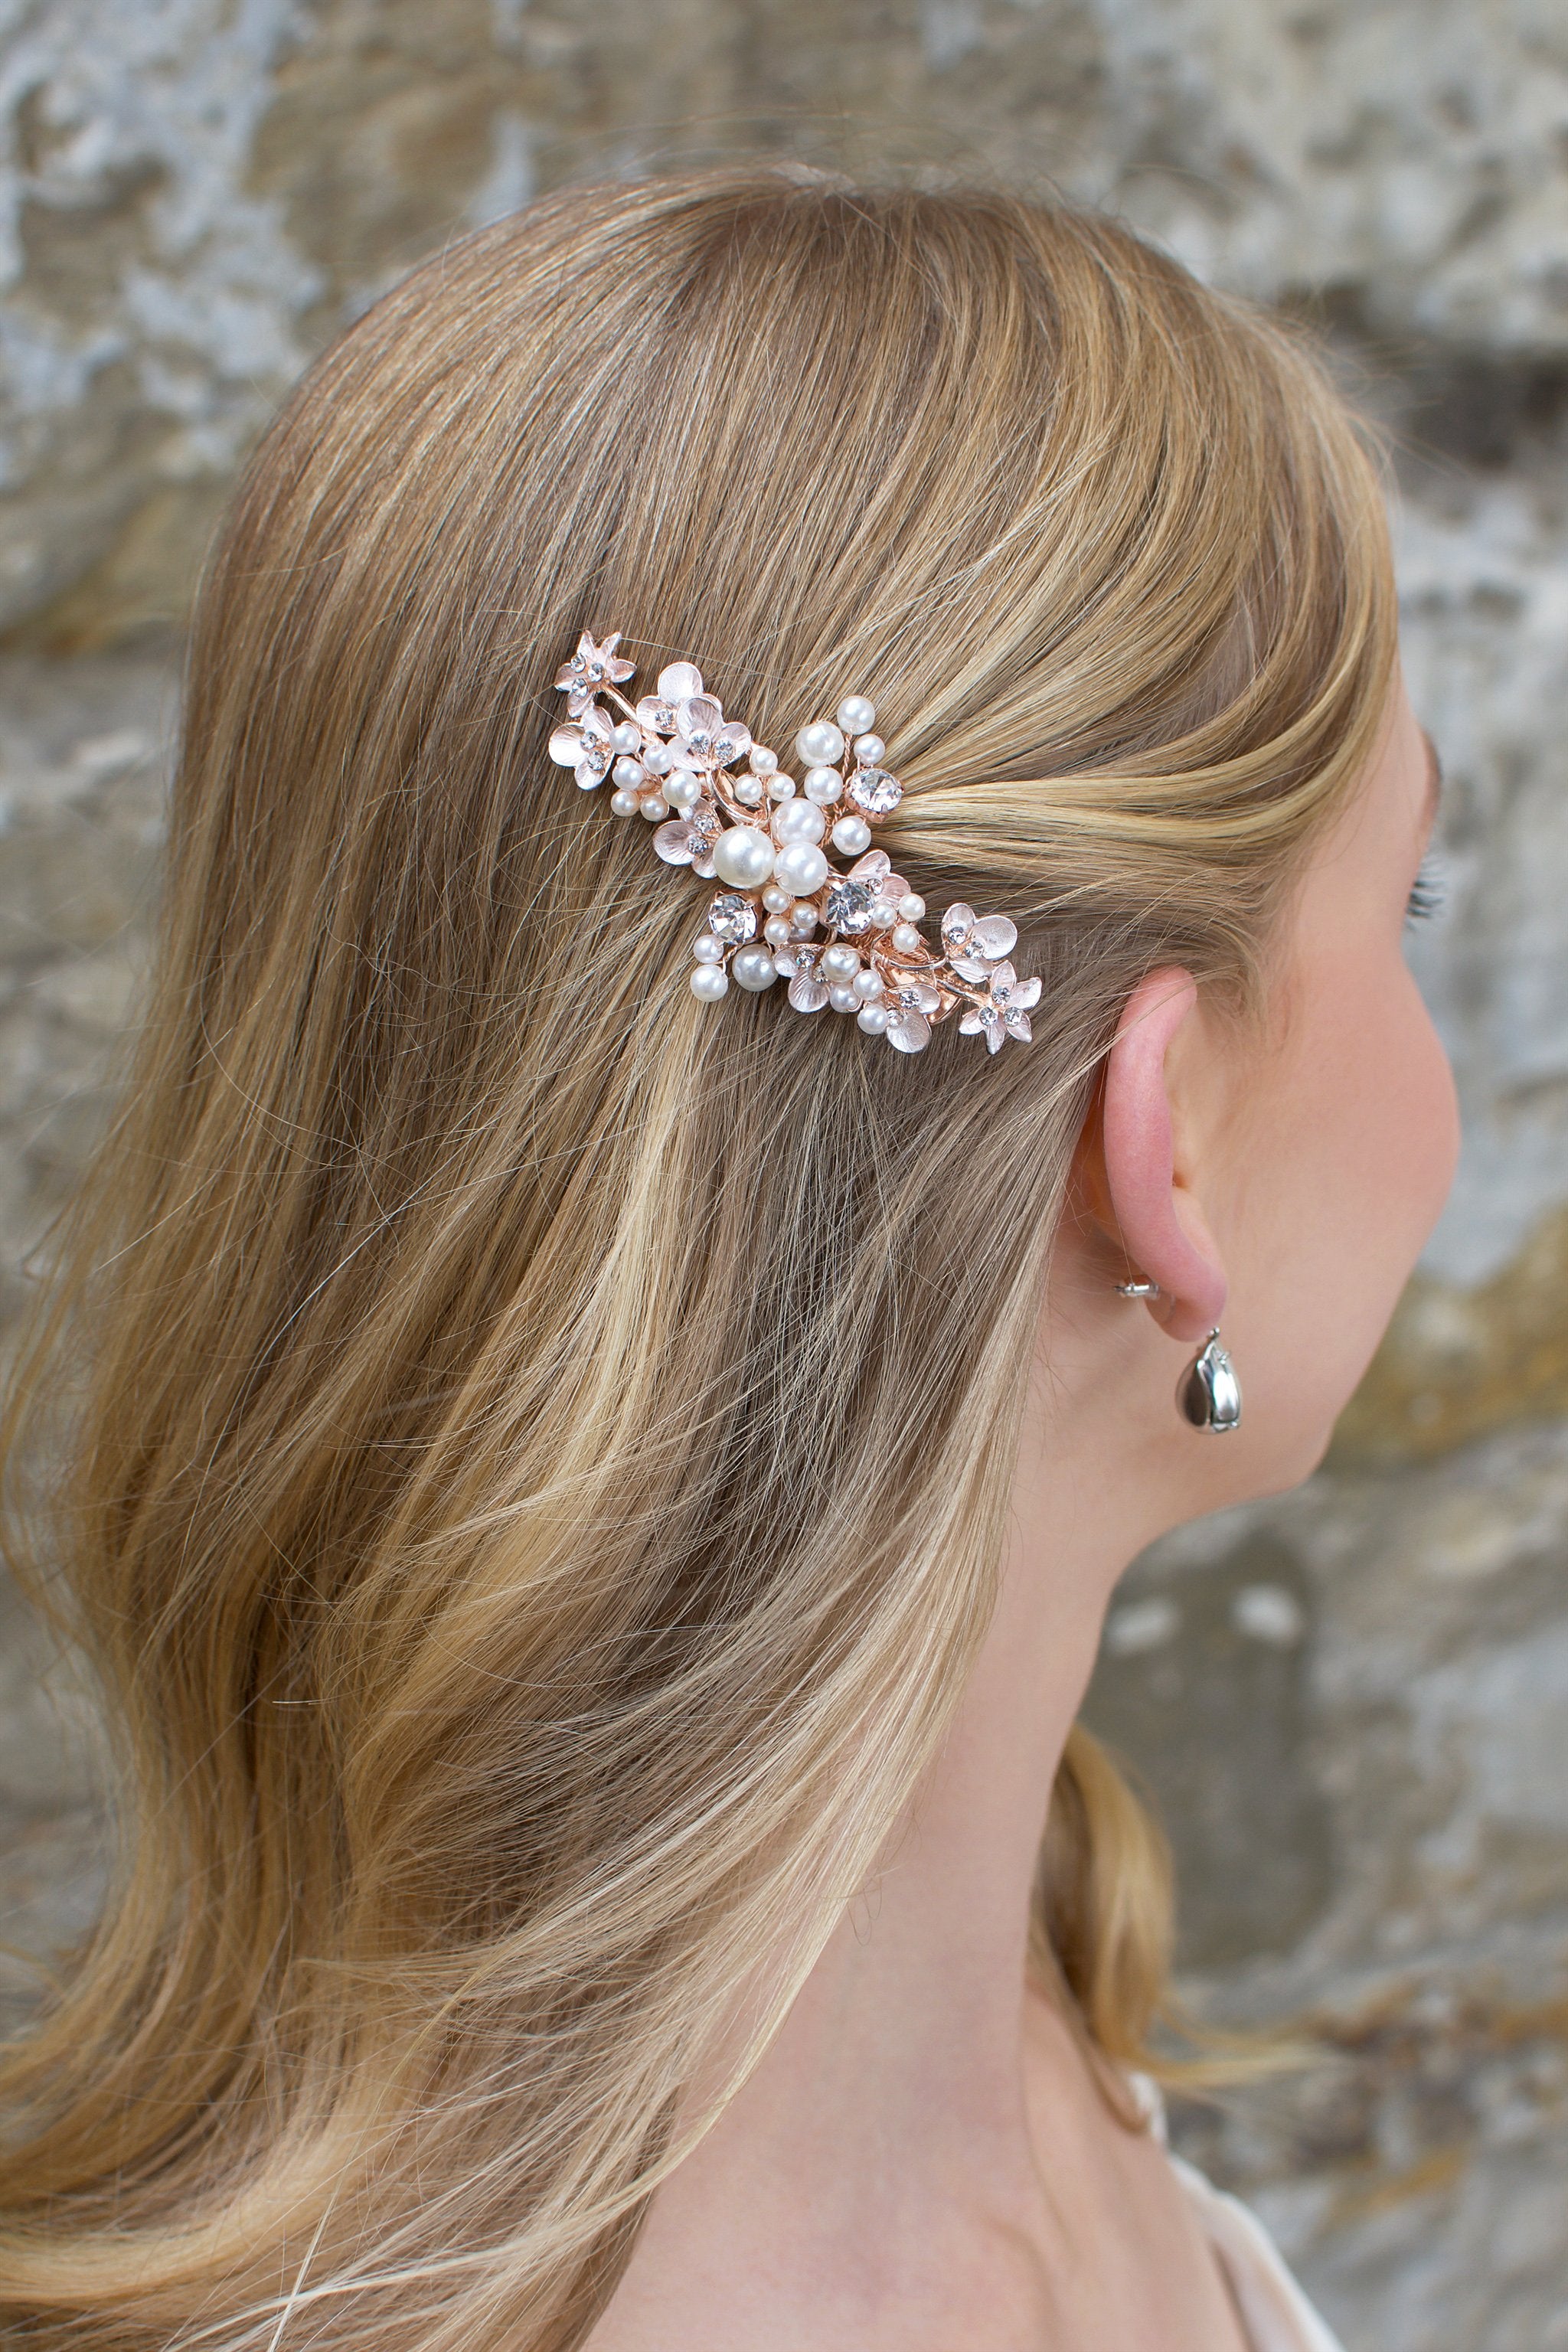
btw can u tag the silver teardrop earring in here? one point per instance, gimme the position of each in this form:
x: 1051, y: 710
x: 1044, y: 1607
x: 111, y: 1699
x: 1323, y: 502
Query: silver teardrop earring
x: 1208, y: 1393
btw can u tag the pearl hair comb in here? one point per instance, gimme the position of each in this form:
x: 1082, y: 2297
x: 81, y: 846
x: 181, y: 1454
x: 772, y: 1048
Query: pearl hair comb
x: 848, y: 940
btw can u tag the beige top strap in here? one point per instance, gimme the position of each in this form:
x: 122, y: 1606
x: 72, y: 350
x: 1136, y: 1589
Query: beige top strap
x: 1275, y: 2313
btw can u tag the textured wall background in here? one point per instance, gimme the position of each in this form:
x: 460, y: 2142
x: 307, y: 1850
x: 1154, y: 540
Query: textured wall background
x: 1352, y: 1705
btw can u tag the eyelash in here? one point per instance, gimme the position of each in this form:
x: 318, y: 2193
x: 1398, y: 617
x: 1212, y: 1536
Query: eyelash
x: 1429, y: 891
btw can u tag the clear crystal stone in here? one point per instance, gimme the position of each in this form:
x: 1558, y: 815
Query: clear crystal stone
x: 874, y: 792
x: 847, y: 906
x: 732, y: 917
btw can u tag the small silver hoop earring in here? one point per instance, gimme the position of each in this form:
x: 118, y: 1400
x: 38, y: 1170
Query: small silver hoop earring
x: 1139, y: 1289
x: 1208, y: 1394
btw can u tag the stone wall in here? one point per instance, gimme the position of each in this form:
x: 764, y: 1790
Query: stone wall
x: 1351, y: 1706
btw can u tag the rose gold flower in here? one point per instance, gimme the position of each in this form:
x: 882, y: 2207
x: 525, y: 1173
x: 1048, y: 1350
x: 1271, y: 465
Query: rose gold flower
x: 591, y: 668
x: 1006, y: 1014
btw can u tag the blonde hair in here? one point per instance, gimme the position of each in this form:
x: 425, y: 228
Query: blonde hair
x: 543, y: 1445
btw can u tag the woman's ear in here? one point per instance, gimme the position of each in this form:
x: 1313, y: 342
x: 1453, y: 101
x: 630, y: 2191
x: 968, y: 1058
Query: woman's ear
x: 1149, y: 1204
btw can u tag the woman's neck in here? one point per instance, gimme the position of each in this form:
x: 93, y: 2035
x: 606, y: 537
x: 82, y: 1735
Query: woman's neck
x: 895, y: 2091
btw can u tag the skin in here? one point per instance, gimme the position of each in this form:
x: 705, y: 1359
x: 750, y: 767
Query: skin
x: 923, y: 2158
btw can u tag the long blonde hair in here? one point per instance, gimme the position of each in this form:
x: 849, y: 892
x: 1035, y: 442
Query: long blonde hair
x: 538, y: 1447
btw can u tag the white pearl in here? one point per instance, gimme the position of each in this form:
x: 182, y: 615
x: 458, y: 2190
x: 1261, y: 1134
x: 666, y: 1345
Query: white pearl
x: 762, y: 760
x: 776, y: 902
x: 911, y: 907
x: 655, y: 807
x: 707, y: 947
x: 818, y: 742
x: 679, y: 681
x: 658, y: 758
x: 800, y: 866
x: 824, y: 786
x: 855, y: 714
x: 868, y: 985
x: 906, y: 939
x: 883, y: 913
x: 710, y: 982
x: 802, y: 919
x: 629, y: 774
x: 776, y: 930
x: 753, y: 968
x: 873, y: 1019
x: 852, y: 834
x: 628, y: 737
x: 682, y: 790
x: 749, y: 790
x: 840, y: 964
x: 843, y: 999
x: 625, y: 803
x: 781, y: 788
x: 868, y: 750
x: 743, y: 857
x: 799, y: 821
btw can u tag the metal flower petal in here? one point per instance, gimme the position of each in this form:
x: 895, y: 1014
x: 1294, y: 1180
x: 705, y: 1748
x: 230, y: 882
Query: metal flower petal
x: 676, y: 843
x: 992, y: 936
x: 908, y: 1031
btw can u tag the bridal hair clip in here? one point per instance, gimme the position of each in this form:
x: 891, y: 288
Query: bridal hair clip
x: 783, y: 912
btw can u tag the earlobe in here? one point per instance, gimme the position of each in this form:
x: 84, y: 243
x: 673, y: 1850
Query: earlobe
x: 1157, y: 1217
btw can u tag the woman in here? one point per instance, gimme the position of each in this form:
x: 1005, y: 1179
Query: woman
x: 594, y: 1487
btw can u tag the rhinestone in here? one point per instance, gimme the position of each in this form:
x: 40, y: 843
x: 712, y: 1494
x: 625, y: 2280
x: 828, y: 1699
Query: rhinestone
x: 848, y: 906
x: 732, y: 917
x: 874, y: 791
